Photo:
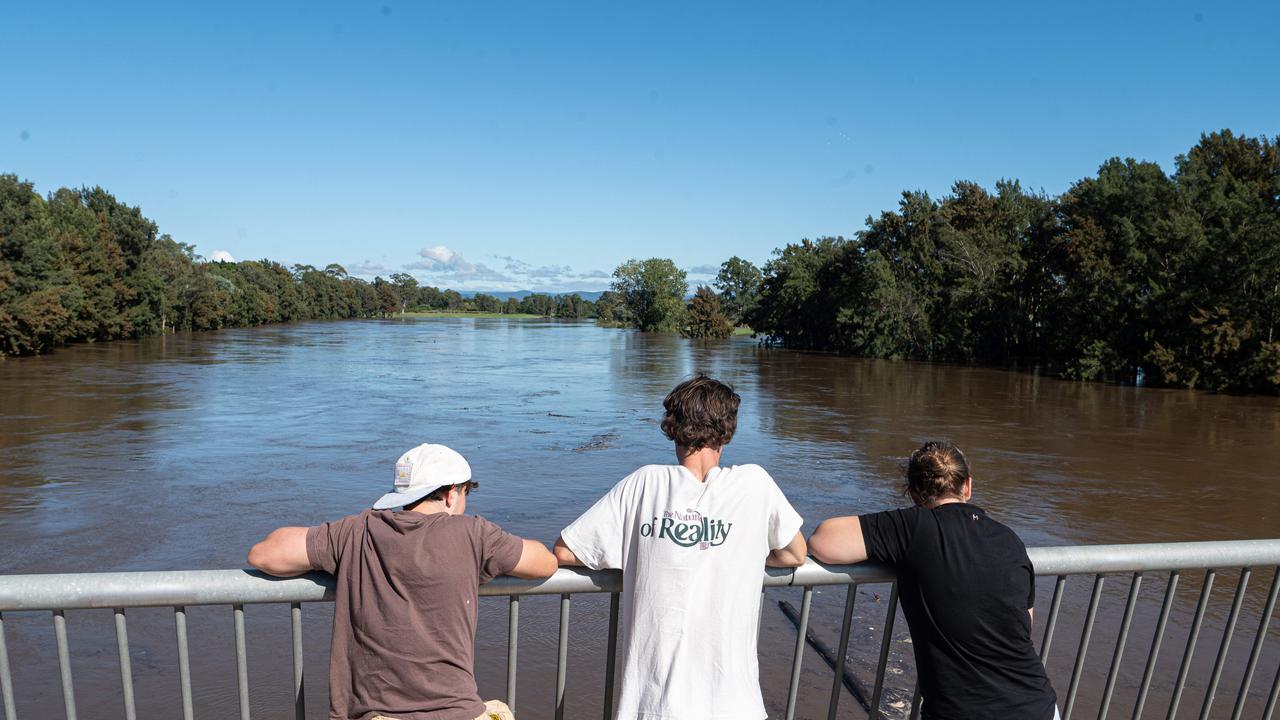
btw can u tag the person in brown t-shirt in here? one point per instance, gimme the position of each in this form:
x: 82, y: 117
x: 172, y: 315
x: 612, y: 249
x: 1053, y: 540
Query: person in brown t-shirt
x: 404, y: 616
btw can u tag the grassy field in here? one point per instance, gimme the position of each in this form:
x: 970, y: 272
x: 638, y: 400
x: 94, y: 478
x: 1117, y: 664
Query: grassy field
x: 464, y: 314
x: 742, y: 331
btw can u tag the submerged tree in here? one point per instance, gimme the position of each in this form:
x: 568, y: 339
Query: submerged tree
x: 739, y: 284
x: 652, y: 292
x: 704, y: 317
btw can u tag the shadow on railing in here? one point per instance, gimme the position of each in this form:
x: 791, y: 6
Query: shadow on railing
x: 237, y: 588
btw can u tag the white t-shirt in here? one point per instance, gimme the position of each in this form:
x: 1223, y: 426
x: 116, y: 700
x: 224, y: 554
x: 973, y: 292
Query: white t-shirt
x: 692, y: 555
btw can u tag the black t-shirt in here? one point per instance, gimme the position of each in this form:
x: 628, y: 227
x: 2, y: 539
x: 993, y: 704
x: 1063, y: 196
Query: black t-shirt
x: 965, y: 584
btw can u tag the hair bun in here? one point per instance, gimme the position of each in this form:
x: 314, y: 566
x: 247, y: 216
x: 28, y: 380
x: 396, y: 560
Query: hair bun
x: 936, y: 470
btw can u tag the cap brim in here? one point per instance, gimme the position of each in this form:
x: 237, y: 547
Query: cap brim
x: 400, y: 499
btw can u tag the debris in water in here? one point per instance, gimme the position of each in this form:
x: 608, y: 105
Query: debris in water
x: 597, y: 442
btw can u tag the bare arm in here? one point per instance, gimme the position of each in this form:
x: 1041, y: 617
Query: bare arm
x: 564, y: 555
x: 536, y: 561
x: 790, y: 556
x: 283, y: 553
x: 839, y: 541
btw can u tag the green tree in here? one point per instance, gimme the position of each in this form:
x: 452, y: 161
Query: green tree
x: 453, y: 300
x: 538, y: 304
x: 1118, y: 251
x: 653, y: 293
x: 793, y: 306
x: 38, y: 296
x: 487, y: 303
x: 1222, y: 305
x: 570, y: 306
x: 388, y: 296
x: 609, y: 309
x: 705, y: 318
x: 739, y: 284
x: 406, y: 289
x: 139, y: 300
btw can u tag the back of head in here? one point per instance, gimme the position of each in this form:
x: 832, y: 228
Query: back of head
x: 701, y: 412
x: 936, y: 471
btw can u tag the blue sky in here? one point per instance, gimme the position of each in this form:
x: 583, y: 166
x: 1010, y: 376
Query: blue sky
x: 539, y: 144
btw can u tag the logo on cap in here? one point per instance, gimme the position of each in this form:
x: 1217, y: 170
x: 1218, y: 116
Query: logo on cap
x: 404, y: 475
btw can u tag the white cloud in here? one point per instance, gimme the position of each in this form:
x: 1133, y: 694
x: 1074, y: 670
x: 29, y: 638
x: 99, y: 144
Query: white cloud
x: 445, y: 267
x: 221, y: 256
x: 704, y: 270
x: 442, y: 256
x: 365, y: 268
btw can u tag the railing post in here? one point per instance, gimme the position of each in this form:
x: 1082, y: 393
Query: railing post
x: 562, y: 655
x: 513, y: 636
x: 1156, y: 641
x: 64, y: 663
x: 1134, y: 586
x: 838, y: 671
x: 242, y: 661
x: 1085, y: 634
x: 6, y: 680
x: 890, y: 615
x: 1263, y: 622
x: 1230, y: 629
x: 794, y: 687
x: 1271, y: 699
x: 1187, y: 654
x: 611, y: 654
x: 299, y: 694
x: 1052, y: 620
x: 126, y: 667
x: 184, y: 660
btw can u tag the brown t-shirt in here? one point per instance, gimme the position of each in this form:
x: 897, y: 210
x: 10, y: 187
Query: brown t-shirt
x: 404, y: 616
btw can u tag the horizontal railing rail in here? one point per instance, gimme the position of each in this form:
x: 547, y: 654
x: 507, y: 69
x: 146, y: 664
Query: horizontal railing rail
x: 58, y: 593
x: 166, y: 588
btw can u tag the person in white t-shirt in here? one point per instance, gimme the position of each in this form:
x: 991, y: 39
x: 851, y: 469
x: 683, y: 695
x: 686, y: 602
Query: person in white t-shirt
x: 692, y: 541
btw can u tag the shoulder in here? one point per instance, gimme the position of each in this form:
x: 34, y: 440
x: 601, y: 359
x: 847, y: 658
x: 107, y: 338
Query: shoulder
x: 470, y: 524
x: 360, y: 519
x: 646, y: 475
x: 751, y: 474
x: 1004, y: 533
x: 905, y: 516
x: 473, y: 529
x: 912, y: 511
x: 654, y: 470
x: 476, y: 522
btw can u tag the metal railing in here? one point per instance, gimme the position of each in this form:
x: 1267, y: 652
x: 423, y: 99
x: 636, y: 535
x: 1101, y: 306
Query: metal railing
x: 238, y: 588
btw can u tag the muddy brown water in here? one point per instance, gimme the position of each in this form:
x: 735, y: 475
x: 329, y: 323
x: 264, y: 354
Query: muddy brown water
x: 180, y: 452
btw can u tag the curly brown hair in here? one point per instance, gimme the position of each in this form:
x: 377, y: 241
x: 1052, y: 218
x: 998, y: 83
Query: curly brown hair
x: 701, y: 413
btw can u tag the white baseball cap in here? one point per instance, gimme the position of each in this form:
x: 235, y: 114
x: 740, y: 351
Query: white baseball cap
x: 422, y: 471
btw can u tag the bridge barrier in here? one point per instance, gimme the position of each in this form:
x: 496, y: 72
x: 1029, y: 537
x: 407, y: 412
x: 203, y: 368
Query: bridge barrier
x: 59, y: 593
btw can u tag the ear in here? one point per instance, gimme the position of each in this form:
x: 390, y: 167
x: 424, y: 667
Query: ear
x: 968, y: 488
x: 451, y: 497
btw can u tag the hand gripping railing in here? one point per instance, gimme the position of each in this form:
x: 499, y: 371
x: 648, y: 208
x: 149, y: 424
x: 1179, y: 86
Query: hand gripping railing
x: 237, y: 588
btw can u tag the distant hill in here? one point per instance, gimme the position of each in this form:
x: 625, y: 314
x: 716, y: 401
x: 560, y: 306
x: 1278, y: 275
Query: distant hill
x: 591, y: 295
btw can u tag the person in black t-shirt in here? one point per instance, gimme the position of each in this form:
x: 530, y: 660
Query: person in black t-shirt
x: 967, y: 589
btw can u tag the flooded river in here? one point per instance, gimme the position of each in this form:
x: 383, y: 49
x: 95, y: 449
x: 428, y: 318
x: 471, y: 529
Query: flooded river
x: 181, y: 451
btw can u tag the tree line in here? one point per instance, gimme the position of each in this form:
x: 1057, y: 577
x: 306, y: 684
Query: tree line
x: 80, y: 265
x: 415, y: 297
x: 1131, y: 274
